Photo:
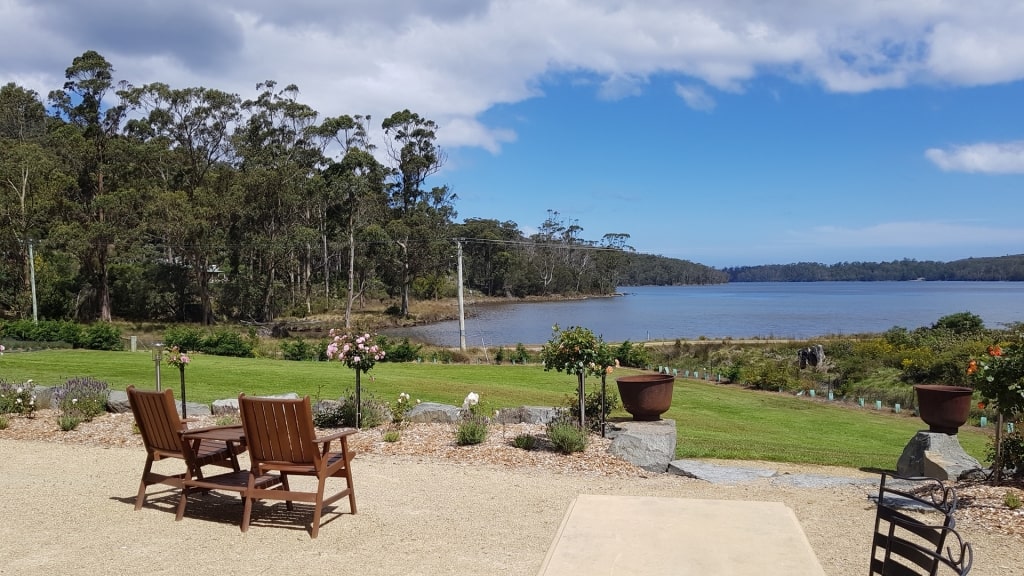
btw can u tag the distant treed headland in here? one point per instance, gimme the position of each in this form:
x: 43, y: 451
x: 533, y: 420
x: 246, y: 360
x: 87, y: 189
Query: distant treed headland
x: 995, y: 269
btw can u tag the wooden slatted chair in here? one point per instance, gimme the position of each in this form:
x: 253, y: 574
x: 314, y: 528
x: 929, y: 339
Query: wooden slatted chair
x: 282, y: 439
x: 161, y: 429
x: 914, y: 521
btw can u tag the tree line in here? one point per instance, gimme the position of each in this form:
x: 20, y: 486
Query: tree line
x: 1000, y: 268
x: 161, y: 203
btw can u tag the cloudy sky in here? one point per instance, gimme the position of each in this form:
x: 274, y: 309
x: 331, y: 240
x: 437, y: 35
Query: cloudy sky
x: 728, y: 132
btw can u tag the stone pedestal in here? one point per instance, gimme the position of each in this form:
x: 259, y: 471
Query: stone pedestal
x: 650, y: 445
x: 935, y: 455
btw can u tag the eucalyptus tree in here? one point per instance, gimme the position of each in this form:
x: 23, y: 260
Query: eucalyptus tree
x: 491, y: 254
x: 280, y: 148
x: 192, y: 164
x: 30, y: 174
x: 356, y: 191
x: 93, y: 231
x: 420, y: 219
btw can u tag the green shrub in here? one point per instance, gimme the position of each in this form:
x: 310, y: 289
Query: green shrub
x: 43, y: 331
x: 403, y: 351
x: 471, y: 430
x: 227, y: 420
x: 4, y: 422
x: 592, y: 407
x: 297, y: 349
x: 224, y: 342
x: 1012, y: 500
x: 566, y: 435
x: 1012, y: 453
x: 392, y: 436
x: 632, y: 355
x: 769, y: 374
x: 83, y: 398
x: 525, y: 441
x: 521, y: 354
x: 17, y: 398
x: 343, y: 415
x: 186, y: 338
x: 67, y: 422
x: 101, y: 336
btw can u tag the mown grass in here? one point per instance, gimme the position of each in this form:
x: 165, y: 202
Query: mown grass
x: 713, y: 421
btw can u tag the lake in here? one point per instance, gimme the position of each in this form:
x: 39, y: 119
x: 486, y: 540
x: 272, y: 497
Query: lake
x: 738, y: 310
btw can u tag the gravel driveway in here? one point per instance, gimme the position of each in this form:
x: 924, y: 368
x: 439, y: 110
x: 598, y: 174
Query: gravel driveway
x: 68, y: 509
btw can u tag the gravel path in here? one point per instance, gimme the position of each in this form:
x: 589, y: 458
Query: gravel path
x: 68, y: 509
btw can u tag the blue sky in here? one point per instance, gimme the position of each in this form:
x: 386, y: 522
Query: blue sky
x: 727, y: 132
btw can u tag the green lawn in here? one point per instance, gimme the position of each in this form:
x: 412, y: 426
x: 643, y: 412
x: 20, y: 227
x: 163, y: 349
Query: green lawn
x: 713, y: 421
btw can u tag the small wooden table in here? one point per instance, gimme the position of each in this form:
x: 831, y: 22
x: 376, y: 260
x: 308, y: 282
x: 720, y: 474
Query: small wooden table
x: 641, y: 535
x: 234, y: 481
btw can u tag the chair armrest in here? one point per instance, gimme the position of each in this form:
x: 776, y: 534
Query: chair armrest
x: 208, y: 428
x: 339, y: 434
x: 326, y: 440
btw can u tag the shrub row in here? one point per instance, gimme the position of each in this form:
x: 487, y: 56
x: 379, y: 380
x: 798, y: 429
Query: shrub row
x: 219, y: 342
x: 95, y: 336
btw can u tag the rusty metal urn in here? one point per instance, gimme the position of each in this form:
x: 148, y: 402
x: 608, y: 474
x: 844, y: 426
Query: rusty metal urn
x: 943, y: 408
x: 646, y: 396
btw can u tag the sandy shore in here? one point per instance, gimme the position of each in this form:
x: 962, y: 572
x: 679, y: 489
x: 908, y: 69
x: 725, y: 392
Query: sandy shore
x: 68, y: 509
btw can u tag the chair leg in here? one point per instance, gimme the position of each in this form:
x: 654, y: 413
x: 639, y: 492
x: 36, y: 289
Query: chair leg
x: 181, y: 504
x: 351, y: 489
x: 284, y: 486
x: 318, y: 506
x: 141, y: 497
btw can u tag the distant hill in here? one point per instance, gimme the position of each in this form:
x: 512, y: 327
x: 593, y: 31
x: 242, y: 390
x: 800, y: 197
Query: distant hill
x: 999, y: 268
x: 654, y: 270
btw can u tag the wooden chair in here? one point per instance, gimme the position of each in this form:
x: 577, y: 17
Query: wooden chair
x: 282, y: 439
x: 914, y: 523
x: 161, y: 429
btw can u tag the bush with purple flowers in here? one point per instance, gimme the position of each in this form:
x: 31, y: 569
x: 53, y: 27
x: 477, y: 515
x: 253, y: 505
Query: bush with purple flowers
x: 81, y: 398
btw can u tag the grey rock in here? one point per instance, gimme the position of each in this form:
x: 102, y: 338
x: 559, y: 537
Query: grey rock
x: 936, y: 455
x: 717, y: 474
x: 649, y: 445
x: 819, y: 481
x: 117, y: 402
x: 192, y: 408
x: 433, y: 412
x: 230, y: 405
x: 538, y: 414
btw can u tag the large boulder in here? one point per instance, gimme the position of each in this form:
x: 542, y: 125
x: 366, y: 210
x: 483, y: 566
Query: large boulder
x: 936, y: 455
x: 117, y: 402
x: 649, y: 445
x: 433, y: 413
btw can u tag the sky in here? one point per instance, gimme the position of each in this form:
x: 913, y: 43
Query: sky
x: 726, y: 132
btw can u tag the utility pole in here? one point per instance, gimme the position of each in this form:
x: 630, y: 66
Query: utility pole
x: 462, y: 305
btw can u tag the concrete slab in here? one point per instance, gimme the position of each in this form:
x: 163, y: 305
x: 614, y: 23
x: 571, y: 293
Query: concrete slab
x: 650, y: 536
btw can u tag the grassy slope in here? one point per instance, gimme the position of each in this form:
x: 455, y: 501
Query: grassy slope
x: 713, y: 421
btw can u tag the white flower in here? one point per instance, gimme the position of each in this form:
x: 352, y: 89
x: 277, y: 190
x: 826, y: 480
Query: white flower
x: 472, y: 399
x: 19, y: 391
x: 74, y: 400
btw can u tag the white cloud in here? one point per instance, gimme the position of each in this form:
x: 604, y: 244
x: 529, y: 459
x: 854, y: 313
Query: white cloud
x: 452, y: 60
x: 984, y: 157
x: 696, y: 97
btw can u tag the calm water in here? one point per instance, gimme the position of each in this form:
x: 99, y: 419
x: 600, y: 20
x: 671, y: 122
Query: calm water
x: 742, y: 310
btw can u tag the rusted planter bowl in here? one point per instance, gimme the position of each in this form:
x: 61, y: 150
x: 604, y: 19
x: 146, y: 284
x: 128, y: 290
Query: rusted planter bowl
x: 646, y: 396
x: 943, y: 408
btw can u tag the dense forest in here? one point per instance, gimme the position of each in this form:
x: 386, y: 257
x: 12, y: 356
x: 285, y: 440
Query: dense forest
x: 1002, y: 268
x: 160, y: 203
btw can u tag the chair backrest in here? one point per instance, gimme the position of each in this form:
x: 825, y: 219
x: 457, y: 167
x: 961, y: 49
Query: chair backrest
x: 913, y: 518
x: 157, y: 419
x: 908, y: 555
x: 279, y: 430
